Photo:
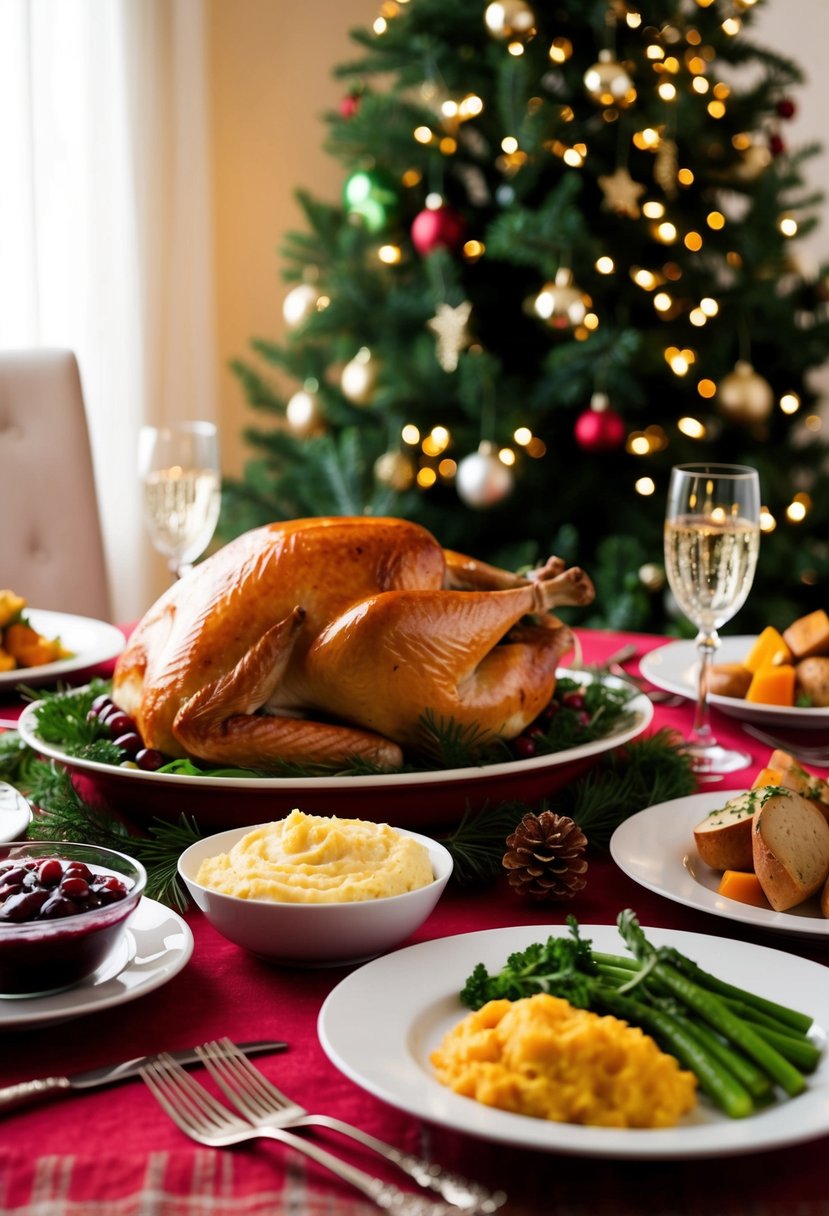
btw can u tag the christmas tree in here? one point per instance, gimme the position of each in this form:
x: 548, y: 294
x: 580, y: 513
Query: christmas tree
x: 563, y: 262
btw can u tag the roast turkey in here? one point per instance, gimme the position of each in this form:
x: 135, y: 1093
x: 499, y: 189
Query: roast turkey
x: 324, y: 639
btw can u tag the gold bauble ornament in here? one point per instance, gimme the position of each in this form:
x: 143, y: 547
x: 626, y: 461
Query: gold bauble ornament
x: 743, y: 396
x: 300, y: 304
x: 652, y: 577
x: 510, y: 19
x: 304, y: 414
x: 608, y: 84
x: 359, y: 377
x: 482, y: 480
x: 562, y: 304
x: 395, y: 469
x: 753, y: 163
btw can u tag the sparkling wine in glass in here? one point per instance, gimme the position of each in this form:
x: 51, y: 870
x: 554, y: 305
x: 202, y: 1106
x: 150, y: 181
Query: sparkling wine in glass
x: 181, y: 481
x: 712, y: 539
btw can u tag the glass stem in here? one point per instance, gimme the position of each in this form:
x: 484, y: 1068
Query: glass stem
x: 702, y: 735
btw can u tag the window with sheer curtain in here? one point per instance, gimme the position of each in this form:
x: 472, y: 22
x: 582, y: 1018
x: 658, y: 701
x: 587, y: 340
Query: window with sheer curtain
x: 105, y: 232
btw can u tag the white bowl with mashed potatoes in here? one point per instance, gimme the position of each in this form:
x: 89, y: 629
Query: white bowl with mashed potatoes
x: 316, y: 890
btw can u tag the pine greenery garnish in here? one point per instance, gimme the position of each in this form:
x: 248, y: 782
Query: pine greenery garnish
x: 64, y: 815
x: 643, y: 773
x: 454, y: 745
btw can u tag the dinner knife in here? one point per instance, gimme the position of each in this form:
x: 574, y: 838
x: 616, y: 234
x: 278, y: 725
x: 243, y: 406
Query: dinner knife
x: 27, y: 1092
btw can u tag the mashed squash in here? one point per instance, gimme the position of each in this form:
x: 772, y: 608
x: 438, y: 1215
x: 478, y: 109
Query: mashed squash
x: 540, y: 1056
x: 319, y: 859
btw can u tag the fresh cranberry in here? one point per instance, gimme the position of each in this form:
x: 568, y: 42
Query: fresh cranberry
x: 524, y: 747
x: 130, y: 744
x: 13, y: 874
x: 75, y: 887
x: 77, y: 869
x: 59, y: 905
x: 24, y: 906
x: 101, y: 705
x: 119, y: 723
x: 574, y: 700
x: 149, y: 759
x: 49, y: 872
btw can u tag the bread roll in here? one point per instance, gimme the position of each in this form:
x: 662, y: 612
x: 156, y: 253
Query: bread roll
x: 790, y: 845
x: 723, y: 839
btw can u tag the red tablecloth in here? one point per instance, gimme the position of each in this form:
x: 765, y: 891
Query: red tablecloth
x: 113, y: 1153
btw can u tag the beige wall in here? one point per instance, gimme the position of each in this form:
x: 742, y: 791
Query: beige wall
x: 270, y: 80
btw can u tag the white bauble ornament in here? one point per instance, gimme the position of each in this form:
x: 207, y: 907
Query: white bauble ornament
x: 359, y: 377
x: 304, y: 414
x: 300, y: 304
x: 482, y: 480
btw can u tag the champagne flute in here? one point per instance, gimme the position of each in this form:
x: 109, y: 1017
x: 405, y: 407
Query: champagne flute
x: 179, y: 470
x: 712, y: 539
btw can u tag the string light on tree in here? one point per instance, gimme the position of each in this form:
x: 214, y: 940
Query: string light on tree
x: 359, y: 377
x: 482, y: 479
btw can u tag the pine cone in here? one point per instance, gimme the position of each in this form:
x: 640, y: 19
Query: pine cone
x: 544, y: 857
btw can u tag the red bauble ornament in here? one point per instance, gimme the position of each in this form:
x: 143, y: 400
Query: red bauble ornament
x: 599, y: 429
x: 349, y: 105
x: 438, y: 227
x: 786, y: 108
x: 776, y: 145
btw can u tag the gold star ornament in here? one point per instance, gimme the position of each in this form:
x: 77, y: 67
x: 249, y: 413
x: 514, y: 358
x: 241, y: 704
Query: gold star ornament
x: 451, y: 329
x: 621, y: 193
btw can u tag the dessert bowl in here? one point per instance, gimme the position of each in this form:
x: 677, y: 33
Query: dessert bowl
x: 313, y: 934
x: 63, y: 906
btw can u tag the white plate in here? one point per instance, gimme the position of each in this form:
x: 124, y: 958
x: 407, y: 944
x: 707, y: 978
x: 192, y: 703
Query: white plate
x: 674, y: 668
x: 15, y: 813
x: 154, y: 948
x: 91, y: 642
x: 380, y: 1024
x: 406, y: 800
x: 656, y: 849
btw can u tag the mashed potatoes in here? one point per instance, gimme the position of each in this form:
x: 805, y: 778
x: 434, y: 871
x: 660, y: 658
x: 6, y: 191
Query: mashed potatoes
x: 542, y: 1057
x: 319, y: 859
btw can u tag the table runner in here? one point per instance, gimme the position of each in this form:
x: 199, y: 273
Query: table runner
x: 114, y: 1151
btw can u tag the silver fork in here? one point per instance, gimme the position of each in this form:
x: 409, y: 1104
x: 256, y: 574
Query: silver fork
x: 266, y: 1106
x: 814, y: 754
x: 199, y: 1115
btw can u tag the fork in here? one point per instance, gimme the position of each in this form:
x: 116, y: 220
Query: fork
x: 814, y: 754
x: 204, y: 1119
x: 266, y: 1106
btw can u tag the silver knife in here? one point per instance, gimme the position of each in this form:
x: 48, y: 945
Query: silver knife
x: 27, y: 1092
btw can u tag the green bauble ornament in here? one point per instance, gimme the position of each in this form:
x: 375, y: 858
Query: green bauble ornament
x: 370, y: 197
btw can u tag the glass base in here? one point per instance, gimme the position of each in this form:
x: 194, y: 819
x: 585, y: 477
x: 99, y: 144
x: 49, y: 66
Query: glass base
x: 715, y: 760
